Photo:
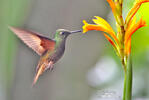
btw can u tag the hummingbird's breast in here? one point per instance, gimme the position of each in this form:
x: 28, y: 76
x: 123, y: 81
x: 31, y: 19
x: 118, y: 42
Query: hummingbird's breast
x: 58, y: 52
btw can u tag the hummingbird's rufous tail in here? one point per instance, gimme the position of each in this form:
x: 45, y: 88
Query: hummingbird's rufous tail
x: 41, y: 69
x: 39, y: 72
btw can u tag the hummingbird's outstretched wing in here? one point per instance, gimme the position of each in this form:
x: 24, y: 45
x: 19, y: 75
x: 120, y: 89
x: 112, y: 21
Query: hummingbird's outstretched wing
x: 35, y: 41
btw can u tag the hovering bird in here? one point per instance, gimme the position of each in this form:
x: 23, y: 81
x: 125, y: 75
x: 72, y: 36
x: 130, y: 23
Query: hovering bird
x: 49, y: 50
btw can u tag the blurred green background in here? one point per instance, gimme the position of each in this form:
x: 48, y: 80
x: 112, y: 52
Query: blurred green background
x: 89, y: 69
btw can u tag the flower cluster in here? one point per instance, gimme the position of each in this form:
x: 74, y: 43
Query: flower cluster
x: 125, y: 28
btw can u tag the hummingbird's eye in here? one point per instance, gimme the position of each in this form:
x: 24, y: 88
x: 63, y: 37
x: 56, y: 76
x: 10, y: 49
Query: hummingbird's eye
x: 62, y: 33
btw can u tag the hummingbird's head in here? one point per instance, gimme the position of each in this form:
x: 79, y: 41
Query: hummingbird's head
x: 63, y: 33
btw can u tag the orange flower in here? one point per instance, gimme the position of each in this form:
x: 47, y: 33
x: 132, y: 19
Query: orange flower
x: 132, y: 27
x: 134, y: 9
x: 128, y: 47
x: 122, y: 43
x: 112, y: 5
x: 100, y: 25
x: 110, y: 40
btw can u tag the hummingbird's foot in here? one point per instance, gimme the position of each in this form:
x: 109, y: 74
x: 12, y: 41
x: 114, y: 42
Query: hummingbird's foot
x: 50, y: 66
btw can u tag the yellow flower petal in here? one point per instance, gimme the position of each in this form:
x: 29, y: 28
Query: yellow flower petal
x: 130, y: 26
x: 131, y: 23
x: 101, y: 21
x: 84, y: 27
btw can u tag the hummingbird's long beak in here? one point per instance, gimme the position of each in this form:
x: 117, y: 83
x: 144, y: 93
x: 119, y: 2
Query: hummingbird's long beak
x: 76, y: 31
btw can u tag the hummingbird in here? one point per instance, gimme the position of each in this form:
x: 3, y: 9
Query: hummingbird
x: 49, y: 50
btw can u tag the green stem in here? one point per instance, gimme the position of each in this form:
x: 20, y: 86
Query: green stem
x: 124, y: 88
x: 129, y: 79
x: 127, y: 93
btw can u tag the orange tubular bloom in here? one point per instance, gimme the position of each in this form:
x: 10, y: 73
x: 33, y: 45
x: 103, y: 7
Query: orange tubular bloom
x: 134, y: 9
x: 100, y: 25
x: 134, y: 28
x: 110, y: 40
x: 128, y: 47
x: 112, y: 5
